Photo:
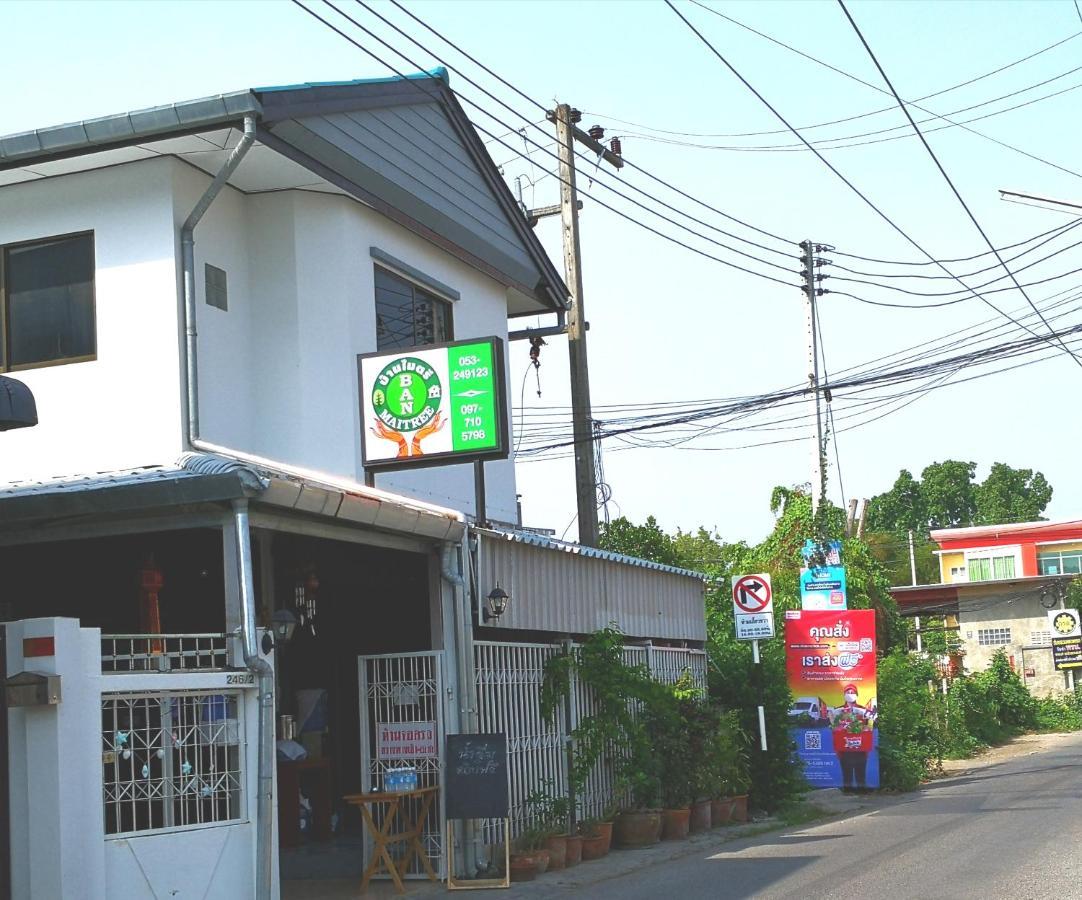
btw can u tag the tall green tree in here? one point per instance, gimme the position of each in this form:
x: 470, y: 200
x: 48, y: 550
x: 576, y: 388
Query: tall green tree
x: 947, y: 496
x: 1012, y: 495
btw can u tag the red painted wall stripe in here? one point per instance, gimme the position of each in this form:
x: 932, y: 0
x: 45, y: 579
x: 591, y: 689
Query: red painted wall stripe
x: 39, y: 646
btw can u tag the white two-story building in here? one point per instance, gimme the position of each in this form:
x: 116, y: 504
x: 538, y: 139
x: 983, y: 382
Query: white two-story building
x: 186, y: 290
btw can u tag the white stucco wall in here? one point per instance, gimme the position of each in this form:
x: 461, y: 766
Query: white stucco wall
x: 124, y: 408
x: 277, y: 371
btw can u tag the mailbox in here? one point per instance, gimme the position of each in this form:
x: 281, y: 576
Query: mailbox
x: 32, y: 689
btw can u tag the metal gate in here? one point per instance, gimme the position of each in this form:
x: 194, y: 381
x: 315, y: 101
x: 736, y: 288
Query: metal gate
x: 404, y: 689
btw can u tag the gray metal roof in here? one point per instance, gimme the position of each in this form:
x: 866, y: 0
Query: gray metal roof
x: 91, y: 135
x: 403, y: 146
x: 549, y: 543
x: 208, y: 477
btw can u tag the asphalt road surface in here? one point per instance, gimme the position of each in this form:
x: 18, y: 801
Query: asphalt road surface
x: 1012, y: 830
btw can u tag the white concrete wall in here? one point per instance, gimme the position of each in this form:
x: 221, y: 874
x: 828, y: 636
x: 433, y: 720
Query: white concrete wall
x: 1024, y: 616
x: 122, y: 409
x: 57, y: 824
x: 277, y: 372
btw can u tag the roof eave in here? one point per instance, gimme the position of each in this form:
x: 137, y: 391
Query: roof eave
x: 126, y: 129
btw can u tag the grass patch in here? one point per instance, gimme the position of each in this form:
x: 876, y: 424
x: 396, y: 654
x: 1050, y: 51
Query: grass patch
x: 800, y: 812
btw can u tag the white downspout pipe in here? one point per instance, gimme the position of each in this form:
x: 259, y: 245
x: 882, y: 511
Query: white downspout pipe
x: 187, y: 262
x: 265, y: 689
x: 452, y: 571
x: 264, y: 850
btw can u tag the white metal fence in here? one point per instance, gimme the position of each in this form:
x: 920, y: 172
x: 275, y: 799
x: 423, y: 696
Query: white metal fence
x: 509, y: 678
x: 164, y: 653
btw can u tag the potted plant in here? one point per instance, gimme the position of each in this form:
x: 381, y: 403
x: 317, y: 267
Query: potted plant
x: 528, y: 857
x: 596, y: 838
x: 728, y: 769
x: 617, y: 689
x: 701, y: 723
x: 551, y: 814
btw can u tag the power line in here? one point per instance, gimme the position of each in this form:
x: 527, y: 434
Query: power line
x: 947, y: 178
x: 627, y: 162
x: 418, y: 86
x: 846, y: 75
x: 832, y: 168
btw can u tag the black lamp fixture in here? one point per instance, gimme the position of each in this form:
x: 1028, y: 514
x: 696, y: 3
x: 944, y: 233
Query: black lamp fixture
x: 497, y: 603
x: 283, y: 622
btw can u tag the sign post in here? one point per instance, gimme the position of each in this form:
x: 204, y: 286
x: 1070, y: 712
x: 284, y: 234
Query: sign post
x: 753, y: 609
x: 1066, y: 641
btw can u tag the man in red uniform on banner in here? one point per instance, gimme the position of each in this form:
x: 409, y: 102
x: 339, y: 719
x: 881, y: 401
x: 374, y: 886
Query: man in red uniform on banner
x: 850, y: 722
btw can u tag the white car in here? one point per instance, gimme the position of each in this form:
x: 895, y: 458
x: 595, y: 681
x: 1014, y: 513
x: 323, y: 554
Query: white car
x: 813, y: 707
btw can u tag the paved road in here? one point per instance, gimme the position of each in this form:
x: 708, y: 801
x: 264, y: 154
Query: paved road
x: 1011, y: 830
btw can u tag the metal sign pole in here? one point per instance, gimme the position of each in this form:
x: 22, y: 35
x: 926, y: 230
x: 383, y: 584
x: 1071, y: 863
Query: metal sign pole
x: 759, y: 687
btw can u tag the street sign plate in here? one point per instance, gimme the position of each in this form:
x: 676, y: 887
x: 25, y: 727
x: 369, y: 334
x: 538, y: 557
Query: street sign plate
x: 1064, y: 623
x: 752, y: 594
x: 754, y: 626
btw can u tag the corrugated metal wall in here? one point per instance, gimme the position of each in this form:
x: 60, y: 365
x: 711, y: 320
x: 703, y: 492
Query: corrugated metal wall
x: 559, y: 591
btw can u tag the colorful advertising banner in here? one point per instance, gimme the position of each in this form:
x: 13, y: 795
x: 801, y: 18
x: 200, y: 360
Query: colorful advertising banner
x: 830, y: 662
x: 441, y: 403
x: 823, y: 588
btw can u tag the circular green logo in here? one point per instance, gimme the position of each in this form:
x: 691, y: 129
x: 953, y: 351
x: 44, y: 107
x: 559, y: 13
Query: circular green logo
x: 407, y: 394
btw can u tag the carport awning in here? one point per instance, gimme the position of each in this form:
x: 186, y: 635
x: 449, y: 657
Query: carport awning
x: 209, y: 478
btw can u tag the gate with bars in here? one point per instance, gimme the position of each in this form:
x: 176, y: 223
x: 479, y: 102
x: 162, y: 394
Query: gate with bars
x: 509, y: 678
x: 400, y: 690
x: 404, y: 692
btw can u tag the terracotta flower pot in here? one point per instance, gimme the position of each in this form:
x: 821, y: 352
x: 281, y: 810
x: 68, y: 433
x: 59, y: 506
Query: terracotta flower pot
x: 740, y: 808
x: 525, y: 866
x: 596, y: 845
x: 700, y: 817
x: 574, y: 850
x: 676, y: 823
x: 557, y: 848
x: 721, y: 811
x: 542, y: 867
x: 637, y: 829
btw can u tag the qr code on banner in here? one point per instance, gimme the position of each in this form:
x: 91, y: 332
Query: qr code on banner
x: 813, y: 740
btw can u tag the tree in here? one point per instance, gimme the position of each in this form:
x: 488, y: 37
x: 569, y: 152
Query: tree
x: 899, y: 509
x: 1012, y: 495
x: 646, y: 541
x: 948, y: 493
x: 946, y: 496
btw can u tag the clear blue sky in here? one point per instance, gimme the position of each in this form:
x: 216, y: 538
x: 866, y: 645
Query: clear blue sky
x: 667, y: 324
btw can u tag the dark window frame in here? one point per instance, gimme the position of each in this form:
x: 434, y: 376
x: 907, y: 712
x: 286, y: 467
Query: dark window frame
x: 417, y: 289
x: 5, y: 351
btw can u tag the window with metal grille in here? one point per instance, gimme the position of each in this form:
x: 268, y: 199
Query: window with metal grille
x: 215, y: 287
x: 993, y: 637
x: 47, y: 302
x: 406, y: 315
x: 171, y: 760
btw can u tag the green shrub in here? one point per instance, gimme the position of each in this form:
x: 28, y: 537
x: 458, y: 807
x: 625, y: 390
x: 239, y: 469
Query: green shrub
x: 1059, y: 713
x: 911, y: 721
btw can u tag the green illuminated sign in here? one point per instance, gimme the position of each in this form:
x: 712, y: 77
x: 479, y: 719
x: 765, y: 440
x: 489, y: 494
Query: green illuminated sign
x: 434, y: 404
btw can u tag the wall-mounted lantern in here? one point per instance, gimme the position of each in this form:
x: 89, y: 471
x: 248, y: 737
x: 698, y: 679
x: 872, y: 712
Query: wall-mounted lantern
x: 283, y: 623
x: 497, y: 603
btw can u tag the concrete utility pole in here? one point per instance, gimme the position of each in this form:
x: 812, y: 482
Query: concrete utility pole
x: 913, y: 577
x: 811, y: 291
x: 582, y: 417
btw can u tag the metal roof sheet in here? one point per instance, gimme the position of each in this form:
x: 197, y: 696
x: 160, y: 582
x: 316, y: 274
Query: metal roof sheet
x: 550, y: 543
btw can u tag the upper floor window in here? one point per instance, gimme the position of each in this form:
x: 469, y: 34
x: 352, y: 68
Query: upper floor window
x: 47, y: 302
x: 993, y: 637
x: 990, y: 568
x: 408, y: 316
x: 1059, y: 562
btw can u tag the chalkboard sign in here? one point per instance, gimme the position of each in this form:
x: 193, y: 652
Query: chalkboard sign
x: 475, y: 776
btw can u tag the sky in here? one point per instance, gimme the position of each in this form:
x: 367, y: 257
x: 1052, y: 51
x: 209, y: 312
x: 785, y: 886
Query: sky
x: 668, y: 324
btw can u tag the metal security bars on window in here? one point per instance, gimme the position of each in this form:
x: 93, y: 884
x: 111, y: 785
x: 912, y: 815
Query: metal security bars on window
x: 164, y: 652
x: 171, y: 760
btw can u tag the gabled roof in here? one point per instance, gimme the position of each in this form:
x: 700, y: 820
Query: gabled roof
x: 403, y: 146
